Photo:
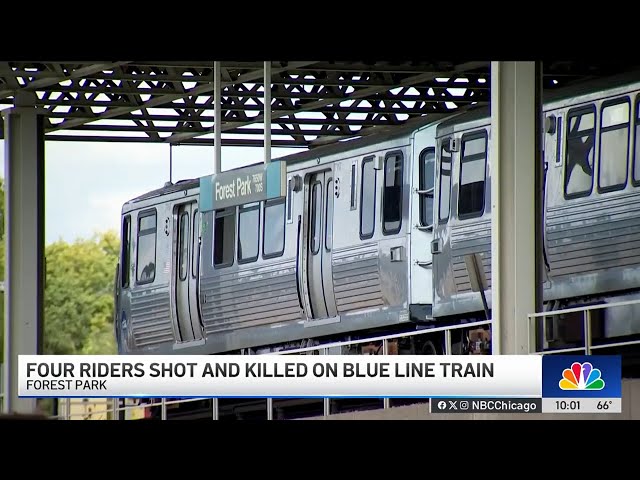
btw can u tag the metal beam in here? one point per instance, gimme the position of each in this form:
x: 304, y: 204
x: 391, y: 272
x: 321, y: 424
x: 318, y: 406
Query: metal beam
x: 24, y: 255
x: 167, y: 98
x: 48, y: 81
x: 515, y: 132
x: 358, y: 94
x: 217, y: 90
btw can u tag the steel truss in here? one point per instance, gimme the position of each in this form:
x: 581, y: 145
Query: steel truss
x: 312, y: 103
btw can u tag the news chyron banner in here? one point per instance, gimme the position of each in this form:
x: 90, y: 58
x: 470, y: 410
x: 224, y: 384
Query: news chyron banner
x: 456, y: 384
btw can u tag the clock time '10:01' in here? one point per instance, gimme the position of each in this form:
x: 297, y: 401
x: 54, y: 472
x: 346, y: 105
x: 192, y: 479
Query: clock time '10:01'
x: 564, y: 405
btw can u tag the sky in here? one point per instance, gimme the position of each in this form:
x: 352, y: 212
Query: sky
x: 86, y: 183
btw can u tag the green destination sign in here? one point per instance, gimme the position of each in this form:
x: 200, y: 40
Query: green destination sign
x: 243, y: 185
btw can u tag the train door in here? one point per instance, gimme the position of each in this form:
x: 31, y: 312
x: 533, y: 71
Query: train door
x: 319, y: 245
x: 185, y: 292
x: 423, y: 181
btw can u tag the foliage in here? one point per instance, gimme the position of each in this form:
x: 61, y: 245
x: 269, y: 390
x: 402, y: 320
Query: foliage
x: 78, y: 298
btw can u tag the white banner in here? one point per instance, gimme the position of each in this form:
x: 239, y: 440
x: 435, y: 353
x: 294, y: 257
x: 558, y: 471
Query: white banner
x: 279, y: 376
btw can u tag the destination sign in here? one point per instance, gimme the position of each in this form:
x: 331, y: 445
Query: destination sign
x: 244, y: 185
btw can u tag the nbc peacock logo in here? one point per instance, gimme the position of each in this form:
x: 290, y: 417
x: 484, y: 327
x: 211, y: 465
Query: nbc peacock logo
x: 581, y: 376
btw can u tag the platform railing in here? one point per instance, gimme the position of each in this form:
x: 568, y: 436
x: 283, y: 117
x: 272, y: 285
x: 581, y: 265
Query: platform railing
x: 587, y: 334
x: 115, y: 409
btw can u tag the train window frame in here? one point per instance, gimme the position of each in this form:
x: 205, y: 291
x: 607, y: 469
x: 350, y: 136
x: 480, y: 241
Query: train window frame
x: 289, y: 201
x: 466, y: 137
x: 182, y: 243
x: 573, y: 112
x: 245, y: 209
x: 426, y: 192
x: 125, y: 253
x: 195, y: 244
x: 273, y: 203
x: 395, y: 154
x: 328, y: 236
x: 314, y: 214
x: 152, y: 212
x: 225, y: 212
x: 636, y: 138
x: 628, y: 124
x: 354, y: 185
x: 444, y: 144
x: 366, y: 161
x: 560, y: 124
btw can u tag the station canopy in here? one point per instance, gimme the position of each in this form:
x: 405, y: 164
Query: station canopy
x: 313, y: 102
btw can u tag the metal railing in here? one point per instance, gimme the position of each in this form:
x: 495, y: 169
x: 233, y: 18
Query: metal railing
x: 115, y: 409
x: 588, y: 347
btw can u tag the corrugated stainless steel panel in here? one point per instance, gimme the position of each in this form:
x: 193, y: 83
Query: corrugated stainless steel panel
x: 356, y: 278
x: 151, y: 318
x: 250, y: 297
x: 594, y: 235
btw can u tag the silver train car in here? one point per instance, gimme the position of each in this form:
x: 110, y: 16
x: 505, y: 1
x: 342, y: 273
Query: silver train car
x: 345, y: 252
x: 591, y: 216
x: 380, y: 235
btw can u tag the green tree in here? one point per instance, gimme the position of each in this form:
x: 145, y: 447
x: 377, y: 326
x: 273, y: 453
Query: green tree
x: 79, y: 296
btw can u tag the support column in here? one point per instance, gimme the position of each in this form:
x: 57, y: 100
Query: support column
x: 516, y: 161
x: 217, y: 118
x: 267, y: 112
x: 24, y: 254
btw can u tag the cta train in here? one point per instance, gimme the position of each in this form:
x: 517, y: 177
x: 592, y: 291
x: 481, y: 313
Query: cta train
x: 384, y: 234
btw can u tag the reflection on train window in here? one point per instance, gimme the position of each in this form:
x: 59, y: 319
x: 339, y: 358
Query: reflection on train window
x: 224, y: 235
x: 249, y: 233
x: 614, y: 144
x: 146, y: 257
x: 445, y: 181
x: 196, y: 246
x: 581, y: 136
x: 183, y: 245
x: 125, y: 262
x: 328, y: 236
x: 392, y: 194
x: 426, y: 183
x: 367, y: 199
x: 273, y: 241
x: 316, y: 217
x: 472, y: 174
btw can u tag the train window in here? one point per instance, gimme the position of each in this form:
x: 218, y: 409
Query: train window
x: 559, y: 140
x: 290, y: 201
x: 392, y: 194
x: 472, y: 174
x: 445, y: 181
x: 425, y: 184
x: 146, y: 256
x: 183, y: 245
x: 636, y: 156
x: 126, y: 251
x: 273, y: 233
x: 196, y: 244
x: 248, y: 233
x: 328, y: 235
x: 224, y: 233
x: 367, y: 199
x: 614, y: 144
x: 316, y: 217
x: 581, y: 136
x: 354, y: 174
